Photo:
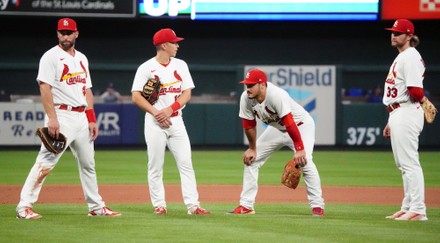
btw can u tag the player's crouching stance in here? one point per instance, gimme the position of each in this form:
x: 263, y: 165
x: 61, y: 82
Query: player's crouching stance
x: 65, y: 87
x: 289, y: 125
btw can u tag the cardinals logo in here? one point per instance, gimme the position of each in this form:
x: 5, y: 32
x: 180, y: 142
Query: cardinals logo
x: 65, y: 72
x: 75, y: 77
x: 177, y: 76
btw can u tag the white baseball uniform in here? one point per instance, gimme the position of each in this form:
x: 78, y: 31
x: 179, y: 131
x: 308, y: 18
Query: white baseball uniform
x: 406, y: 124
x: 174, y: 79
x: 276, y: 105
x: 69, y: 77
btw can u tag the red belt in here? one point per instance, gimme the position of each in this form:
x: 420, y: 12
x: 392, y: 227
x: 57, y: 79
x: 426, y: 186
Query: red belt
x: 392, y: 107
x: 70, y: 108
x: 174, y: 113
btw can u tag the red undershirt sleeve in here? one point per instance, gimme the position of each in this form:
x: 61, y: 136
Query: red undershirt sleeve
x: 416, y: 93
x: 293, y: 131
x: 248, y: 123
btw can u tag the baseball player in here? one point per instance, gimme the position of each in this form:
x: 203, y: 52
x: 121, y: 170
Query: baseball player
x: 289, y: 124
x: 164, y: 126
x: 64, y: 80
x: 403, y: 93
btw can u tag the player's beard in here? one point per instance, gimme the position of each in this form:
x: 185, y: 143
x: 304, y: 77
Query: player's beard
x: 397, y: 43
x: 66, y: 45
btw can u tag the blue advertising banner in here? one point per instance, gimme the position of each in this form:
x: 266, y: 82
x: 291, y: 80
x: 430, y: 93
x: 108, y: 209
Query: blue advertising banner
x: 118, y: 124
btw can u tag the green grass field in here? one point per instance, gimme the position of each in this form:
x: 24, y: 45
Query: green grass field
x: 280, y: 222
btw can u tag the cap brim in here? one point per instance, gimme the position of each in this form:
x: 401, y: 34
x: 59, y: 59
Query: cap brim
x: 395, y: 30
x: 248, y: 82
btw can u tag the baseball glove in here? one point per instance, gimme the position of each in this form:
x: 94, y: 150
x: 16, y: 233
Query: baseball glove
x: 55, y: 146
x: 151, y: 89
x: 430, y: 111
x: 291, y: 174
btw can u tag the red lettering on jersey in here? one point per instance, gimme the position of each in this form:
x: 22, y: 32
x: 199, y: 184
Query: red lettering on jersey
x: 390, y: 81
x: 73, y: 78
x: 177, y: 76
x: 171, y: 89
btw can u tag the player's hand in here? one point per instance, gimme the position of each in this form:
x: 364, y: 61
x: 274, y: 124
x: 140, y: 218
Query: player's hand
x: 387, y: 131
x: 249, y: 156
x: 163, y: 115
x: 93, y: 129
x: 300, y: 158
x: 54, y: 128
x: 166, y: 124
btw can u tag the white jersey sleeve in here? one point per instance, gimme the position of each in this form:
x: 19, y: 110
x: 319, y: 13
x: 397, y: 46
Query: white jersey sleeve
x: 407, y: 70
x: 68, y: 75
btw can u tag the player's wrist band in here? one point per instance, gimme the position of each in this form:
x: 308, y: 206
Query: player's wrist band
x: 298, y: 146
x: 91, y: 117
x: 175, y: 106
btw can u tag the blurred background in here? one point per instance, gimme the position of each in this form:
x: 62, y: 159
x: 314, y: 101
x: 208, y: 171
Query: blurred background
x: 300, y: 43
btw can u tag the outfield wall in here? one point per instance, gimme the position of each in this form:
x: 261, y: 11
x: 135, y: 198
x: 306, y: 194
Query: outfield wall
x: 207, y: 124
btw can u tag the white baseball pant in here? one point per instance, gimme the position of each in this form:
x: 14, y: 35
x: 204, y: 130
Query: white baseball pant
x: 272, y: 140
x: 406, y: 124
x: 177, y: 140
x: 74, y: 126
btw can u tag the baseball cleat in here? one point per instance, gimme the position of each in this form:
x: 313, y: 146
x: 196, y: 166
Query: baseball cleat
x: 410, y: 216
x: 395, y: 215
x: 104, y: 211
x: 241, y: 210
x: 318, y: 212
x: 28, y: 213
x: 198, y: 210
x: 160, y: 210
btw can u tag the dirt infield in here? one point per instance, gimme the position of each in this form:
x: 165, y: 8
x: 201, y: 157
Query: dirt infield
x: 219, y: 193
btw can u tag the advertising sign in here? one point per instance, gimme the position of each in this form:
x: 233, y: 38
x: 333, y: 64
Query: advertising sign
x: 262, y: 9
x: 19, y: 121
x: 313, y: 87
x: 410, y: 9
x: 71, y: 8
x: 117, y: 124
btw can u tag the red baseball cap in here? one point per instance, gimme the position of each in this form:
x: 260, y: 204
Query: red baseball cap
x: 255, y: 76
x: 165, y: 35
x: 67, y: 24
x: 402, y: 26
